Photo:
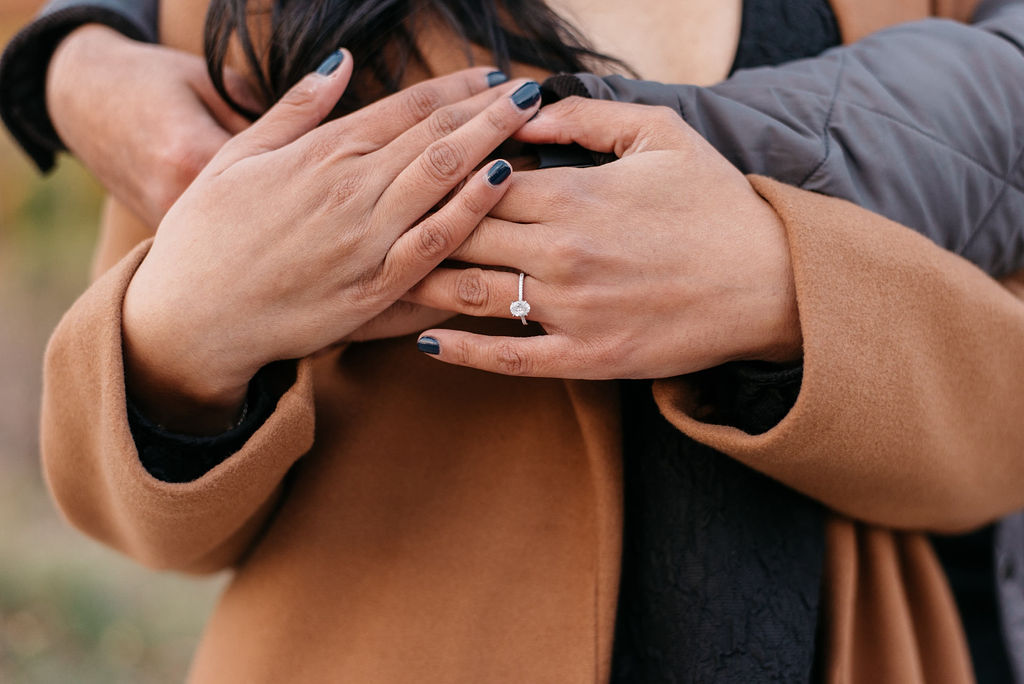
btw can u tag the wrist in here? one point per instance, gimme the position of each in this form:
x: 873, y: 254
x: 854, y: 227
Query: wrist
x: 174, y: 376
x: 781, y: 337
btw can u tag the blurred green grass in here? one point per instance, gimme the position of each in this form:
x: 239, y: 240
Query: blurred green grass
x: 70, y: 609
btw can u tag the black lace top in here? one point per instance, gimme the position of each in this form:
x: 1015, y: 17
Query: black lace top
x: 722, y: 566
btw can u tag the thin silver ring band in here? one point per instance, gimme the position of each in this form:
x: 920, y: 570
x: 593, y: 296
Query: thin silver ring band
x: 520, y: 308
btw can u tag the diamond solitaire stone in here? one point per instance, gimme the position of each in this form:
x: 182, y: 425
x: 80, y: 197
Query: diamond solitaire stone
x: 519, y: 308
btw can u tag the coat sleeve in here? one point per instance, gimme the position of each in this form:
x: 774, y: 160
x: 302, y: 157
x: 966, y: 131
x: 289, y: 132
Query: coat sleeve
x: 910, y: 413
x: 25, y: 61
x: 94, y: 471
x: 921, y: 123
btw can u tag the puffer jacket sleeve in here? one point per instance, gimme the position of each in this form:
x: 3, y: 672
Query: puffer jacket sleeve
x: 910, y: 413
x: 921, y: 123
x: 93, y: 468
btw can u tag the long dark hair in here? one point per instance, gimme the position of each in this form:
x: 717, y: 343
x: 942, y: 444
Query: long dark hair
x: 381, y: 36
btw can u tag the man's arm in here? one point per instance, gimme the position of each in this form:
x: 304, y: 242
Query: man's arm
x: 920, y: 123
x: 143, y: 118
x: 25, y: 62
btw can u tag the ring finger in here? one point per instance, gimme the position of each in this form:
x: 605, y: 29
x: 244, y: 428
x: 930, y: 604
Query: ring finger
x: 480, y: 292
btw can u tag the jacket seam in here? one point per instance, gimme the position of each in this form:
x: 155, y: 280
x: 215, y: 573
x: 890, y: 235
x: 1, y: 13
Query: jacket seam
x: 1002, y: 177
x: 828, y: 122
x: 1007, y: 185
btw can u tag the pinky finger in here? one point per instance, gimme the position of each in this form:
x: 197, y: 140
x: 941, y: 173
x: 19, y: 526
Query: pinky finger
x: 421, y: 248
x: 541, y: 356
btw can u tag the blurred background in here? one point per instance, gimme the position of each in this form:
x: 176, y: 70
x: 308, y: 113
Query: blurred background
x: 70, y: 610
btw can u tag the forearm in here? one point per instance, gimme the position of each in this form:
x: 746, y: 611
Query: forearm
x: 25, y: 61
x: 100, y: 480
x: 909, y: 409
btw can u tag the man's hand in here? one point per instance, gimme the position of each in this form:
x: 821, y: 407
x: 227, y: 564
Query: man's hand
x: 144, y: 119
x: 662, y: 263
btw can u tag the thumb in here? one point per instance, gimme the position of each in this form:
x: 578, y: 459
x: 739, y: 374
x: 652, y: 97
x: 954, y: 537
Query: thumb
x: 299, y: 111
x: 619, y: 128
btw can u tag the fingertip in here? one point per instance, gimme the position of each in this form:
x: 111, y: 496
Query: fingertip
x: 499, y: 173
x: 332, y: 63
x: 335, y: 71
x: 496, y: 77
x: 526, y: 95
x: 484, y: 77
x: 428, y: 345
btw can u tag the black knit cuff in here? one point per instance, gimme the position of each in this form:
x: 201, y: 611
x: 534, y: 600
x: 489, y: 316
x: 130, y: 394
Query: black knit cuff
x: 174, y: 457
x: 23, y: 69
x: 752, y: 396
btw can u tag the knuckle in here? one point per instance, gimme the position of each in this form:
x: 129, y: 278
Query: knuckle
x: 421, y: 101
x: 318, y: 149
x: 666, y: 116
x: 573, y: 104
x: 303, y: 94
x: 460, y: 352
x: 446, y: 121
x: 442, y: 161
x: 497, y: 118
x: 510, y: 360
x: 471, y: 289
x: 181, y: 159
x: 473, y: 204
x: 181, y: 163
x: 370, y: 288
x: 573, y: 255
x: 433, y: 239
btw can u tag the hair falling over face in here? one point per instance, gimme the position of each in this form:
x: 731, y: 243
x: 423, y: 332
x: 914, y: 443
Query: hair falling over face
x: 381, y: 35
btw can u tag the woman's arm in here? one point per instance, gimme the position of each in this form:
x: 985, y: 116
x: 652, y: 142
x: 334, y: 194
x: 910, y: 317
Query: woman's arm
x: 95, y: 472
x: 257, y: 263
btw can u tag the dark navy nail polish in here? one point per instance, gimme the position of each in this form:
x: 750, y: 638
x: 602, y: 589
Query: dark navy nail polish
x: 428, y: 345
x: 499, y: 172
x: 496, y: 78
x: 331, y: 64
x: 526, y: 95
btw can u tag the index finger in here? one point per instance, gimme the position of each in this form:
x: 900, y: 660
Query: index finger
x: 377, y: 124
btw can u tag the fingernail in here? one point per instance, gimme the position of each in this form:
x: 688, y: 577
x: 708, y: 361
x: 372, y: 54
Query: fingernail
x: 496, y: 78
x: 526, y: 95
x: 331, y: 64
x: 428, y: 345
x: 498, y: 174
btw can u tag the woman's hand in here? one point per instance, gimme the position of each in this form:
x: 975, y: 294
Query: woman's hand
x: 145, y: 119
x: 295, y: 235
x: 662, y: 263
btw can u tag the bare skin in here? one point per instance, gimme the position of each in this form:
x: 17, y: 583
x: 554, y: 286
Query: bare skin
x: 627, y: 281
x: 672, y: 42
x: 197, y: 384
x: 691, y: 42
x: 231, y: 282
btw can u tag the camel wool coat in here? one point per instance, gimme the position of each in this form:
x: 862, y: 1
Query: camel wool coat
x: 397, y: 519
